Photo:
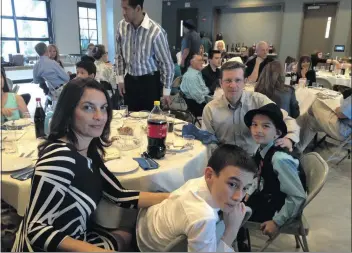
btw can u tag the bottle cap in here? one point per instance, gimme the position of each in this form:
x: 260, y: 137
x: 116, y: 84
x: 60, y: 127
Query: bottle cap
x: 38, y: 99
x: 156, y: 103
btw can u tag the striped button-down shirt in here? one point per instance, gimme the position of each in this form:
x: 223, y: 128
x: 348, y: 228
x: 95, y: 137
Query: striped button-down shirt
x: 143, y: 50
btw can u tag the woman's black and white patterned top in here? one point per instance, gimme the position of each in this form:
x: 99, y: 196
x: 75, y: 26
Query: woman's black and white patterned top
x: 66, y: 188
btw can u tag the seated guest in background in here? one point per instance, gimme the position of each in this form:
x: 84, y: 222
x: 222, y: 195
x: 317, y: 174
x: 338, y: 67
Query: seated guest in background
x: 321, y: 118
x: 192, y: 210
x: 256, y: 63
x: 193, y: 86
x: 105, y: 72
x: 272, y: 84
x: 305, y: 71
x: 89, y: 54
x: 70, y: 178
x: 48, y: 70
x: 192, y: 44
x: 292, y: 67
x: 223, y: 117
x: 317, y: 57
x: 211, y: 73
x: 288, y: 61
x: 278, y: 190
x: 220, y: 43
x: 205, y: 41
x: 53, y: 53
x: 12, y: 106
x: 86, y: 69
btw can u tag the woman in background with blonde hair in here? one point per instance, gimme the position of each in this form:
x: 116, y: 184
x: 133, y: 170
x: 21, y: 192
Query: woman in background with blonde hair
x: 54, y: 54
x: 272, y: 84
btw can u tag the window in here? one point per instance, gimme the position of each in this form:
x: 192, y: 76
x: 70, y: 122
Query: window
x: 24, y: 23
x: 327, y: 30
x: 87, y: 20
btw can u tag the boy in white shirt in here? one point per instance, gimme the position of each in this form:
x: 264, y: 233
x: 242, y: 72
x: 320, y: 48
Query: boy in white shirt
x: 192, y: 210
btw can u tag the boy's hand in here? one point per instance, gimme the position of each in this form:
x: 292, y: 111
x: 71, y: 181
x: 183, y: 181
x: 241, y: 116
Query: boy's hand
x: 233, y: 221
x: 269, y: 228
x: 284, y: 143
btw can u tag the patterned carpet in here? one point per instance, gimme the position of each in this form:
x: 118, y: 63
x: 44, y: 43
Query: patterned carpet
x: 10, y: 222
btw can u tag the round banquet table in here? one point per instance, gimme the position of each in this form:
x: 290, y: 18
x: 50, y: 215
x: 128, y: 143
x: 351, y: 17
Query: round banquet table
x: 342, y: 80
x: 175, y: 168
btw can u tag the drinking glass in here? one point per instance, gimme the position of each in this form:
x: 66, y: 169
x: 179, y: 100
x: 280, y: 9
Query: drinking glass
x: 10, y: 140
x: 27, y: 117
x: 189, y: 139
x: 125, y: 108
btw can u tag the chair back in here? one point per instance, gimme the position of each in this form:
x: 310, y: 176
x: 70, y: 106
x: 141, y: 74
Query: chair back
x: 326, y: 84
x: 10, y: 85
x: 177, y: 82
x: 15, y: 88
x: 316, y: 170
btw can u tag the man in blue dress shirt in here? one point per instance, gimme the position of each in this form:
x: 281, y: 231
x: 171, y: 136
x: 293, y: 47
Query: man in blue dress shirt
x: 48, y: 70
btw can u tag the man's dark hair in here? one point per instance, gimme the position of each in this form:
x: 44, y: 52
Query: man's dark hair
x: 202, y: 34
x: 41, y: 48
x: 212, y: 52
x: 231, y: 65
x: 87, y: 65
x: 231, y: 155
x: 135, y: 3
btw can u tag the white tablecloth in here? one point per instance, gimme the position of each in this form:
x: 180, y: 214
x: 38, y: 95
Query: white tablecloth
x: 173, y: 172
x: 335, y: 80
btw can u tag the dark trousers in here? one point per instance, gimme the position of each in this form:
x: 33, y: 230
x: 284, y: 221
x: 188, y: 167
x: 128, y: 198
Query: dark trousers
x: 195, y: 108
x: 261, y: 212
x: 142, y: 91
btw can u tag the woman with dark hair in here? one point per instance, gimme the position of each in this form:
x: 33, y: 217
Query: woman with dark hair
x: 105, y: 71
x: 12, y: 106
x: 70, y: 178
x: 304, y: 70
x: 272, y: 84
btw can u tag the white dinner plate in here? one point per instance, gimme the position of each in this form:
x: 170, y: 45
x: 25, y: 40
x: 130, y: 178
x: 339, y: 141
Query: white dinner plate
x: 173, y: 149
x: 122, y: 166
x: 141, y: 115
x: 18, y: 123
x: 10, y: 164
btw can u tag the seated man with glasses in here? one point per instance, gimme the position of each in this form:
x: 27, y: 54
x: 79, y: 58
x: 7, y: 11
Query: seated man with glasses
x: 194, y: 87
x: 224, y: 116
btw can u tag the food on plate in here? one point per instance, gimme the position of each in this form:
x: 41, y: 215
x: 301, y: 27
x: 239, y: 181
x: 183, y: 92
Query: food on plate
x: 125, y: 131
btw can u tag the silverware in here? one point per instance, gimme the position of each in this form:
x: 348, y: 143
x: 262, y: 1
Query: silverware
x: 21, y: 155
x: 4, y: 138
x: 22, y: 173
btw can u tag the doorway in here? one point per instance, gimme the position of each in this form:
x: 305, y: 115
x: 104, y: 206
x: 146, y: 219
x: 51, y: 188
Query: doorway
x: 318, y: 28
x: 183, y: 15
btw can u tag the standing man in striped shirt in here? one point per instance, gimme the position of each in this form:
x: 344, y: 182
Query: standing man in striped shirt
x: 143, y: 58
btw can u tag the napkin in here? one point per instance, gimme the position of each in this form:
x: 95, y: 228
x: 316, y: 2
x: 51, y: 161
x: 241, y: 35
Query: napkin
x: 204, y: 136
x: 146, y: 163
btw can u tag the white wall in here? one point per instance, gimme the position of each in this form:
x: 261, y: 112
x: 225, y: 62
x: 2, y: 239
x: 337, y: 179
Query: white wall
x: 65, y: 25
x: 241, y: 25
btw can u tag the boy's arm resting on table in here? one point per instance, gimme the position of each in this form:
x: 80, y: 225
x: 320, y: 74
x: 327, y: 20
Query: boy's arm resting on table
x: 287, y: 169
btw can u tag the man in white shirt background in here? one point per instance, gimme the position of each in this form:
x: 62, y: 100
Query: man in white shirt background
x: 192, y: 210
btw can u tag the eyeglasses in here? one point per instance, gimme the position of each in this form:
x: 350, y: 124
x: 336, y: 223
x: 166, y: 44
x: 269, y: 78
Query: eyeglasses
x: 229, y: 81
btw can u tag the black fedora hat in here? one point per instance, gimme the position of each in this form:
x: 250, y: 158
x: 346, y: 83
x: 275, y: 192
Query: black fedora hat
x: 189, y: 24
x: 273, y: 112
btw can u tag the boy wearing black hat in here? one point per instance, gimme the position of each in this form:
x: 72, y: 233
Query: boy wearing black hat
x: 277, y: 193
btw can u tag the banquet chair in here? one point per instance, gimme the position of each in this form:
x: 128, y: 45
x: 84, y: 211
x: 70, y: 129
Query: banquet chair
x: 180, y: 243
x: 326, y: 84
x: 175, y: 92
x: 316, y: 170
x: 189, y: 108
x: 344, y: 145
